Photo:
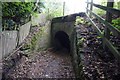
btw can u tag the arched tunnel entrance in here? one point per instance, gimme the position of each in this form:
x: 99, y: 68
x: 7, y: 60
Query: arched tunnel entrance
x: 61, y: 40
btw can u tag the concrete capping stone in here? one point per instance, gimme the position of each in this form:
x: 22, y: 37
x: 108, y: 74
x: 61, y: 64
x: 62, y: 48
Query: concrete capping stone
x: 68, y: 18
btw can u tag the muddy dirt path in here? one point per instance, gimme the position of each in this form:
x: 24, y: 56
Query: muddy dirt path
x: 44, y: 64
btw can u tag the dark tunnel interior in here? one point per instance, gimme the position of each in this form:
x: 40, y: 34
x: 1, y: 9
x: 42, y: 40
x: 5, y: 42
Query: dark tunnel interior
x: 62, y: 40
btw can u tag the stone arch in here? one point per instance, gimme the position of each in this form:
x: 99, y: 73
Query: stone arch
x: 61, y: 40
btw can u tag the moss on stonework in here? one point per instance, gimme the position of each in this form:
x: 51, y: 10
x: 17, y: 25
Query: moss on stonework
x: 41, y: 40
x: 35, y: 39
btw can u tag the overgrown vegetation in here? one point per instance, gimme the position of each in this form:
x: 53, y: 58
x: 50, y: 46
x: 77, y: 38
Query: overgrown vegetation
x: 80, y: 20
x: 54, y: 8
x: 34, y: 43
x: 80, y: 42
x: 17, y: 13
x: 116, y: 23
x: 34, y: 40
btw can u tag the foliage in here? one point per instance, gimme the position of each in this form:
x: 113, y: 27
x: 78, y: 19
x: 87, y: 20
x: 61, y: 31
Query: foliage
x: 53, y: 8
x: 36, y: 37
x: 79, y: 20
x: 98, y: 10
x: 101, y: 12
x: 98, y: 37
x: 80, y: 42
x: 103, y: 32
x: 116, y: 23
x: 39, y: 7
x: 104, y: 3
x: 15, y: 13
x: 25, y: 47
x: 34, y: 40
x: 117, y: 4
x: 89, y: 23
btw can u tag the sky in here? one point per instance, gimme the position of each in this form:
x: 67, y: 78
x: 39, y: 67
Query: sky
x: 76, y: 6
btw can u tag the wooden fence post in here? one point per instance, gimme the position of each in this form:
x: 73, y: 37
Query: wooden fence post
x: 91, y: 7
x: 63, y: 8
x: 108, y: 19
x: 0, y: 16
x: 87, y: 6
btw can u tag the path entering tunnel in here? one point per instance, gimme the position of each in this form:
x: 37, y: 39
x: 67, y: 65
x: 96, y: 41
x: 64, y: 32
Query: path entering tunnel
x: 61, y: 41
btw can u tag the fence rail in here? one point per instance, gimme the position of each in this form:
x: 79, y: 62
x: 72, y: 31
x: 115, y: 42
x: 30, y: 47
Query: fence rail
x: 107, y: 22
x: 115, y: 31
x: 109, y: 9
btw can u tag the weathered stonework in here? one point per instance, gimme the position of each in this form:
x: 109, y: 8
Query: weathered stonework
x: 67, y: 25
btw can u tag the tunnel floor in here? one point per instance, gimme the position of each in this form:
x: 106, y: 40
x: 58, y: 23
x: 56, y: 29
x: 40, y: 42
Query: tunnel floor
x: 45, y: 64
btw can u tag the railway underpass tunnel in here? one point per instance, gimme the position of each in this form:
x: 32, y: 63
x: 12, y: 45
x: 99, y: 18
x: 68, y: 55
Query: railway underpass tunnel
x: 61, y: 41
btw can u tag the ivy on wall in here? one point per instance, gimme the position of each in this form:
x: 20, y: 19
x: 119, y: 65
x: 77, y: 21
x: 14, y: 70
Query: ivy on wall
x: 16, y: 13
